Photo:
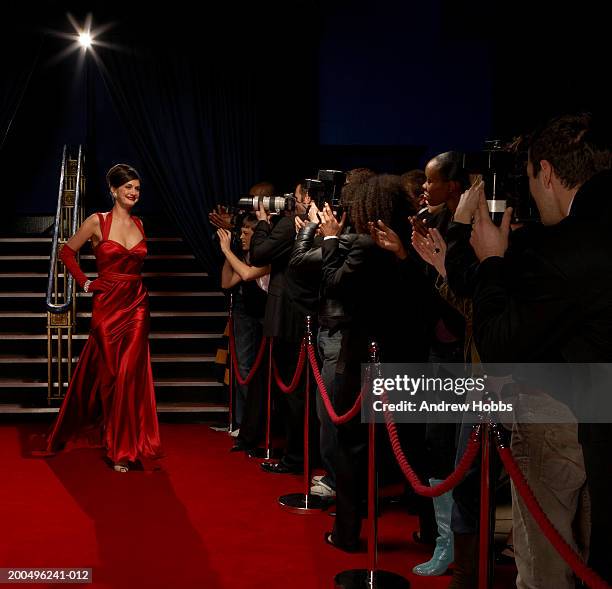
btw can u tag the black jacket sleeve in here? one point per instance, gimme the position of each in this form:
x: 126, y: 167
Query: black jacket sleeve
x: 305, y: 254
x: 524, y: 315
x: 461, y: 262
x: 270, y: 244
x: 342, y: 269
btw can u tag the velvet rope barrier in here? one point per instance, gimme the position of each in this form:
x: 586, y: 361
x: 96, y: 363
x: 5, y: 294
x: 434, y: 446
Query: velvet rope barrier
x: 335, y: 418
x: 296, y: 377
x: 449, y: 483
x: 567, y: 553
x: 256, y: 364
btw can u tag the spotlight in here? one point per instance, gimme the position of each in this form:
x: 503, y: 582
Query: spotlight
x: 85, y: 40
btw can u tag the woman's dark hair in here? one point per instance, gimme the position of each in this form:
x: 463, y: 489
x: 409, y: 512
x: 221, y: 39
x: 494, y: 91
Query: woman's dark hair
x: 354, y: 178
x: 451, y: 168
x: 382, y: 197
x: 249, y: 220
x: 119, y: 174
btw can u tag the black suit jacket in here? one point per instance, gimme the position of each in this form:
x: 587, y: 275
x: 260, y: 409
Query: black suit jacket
x: 285, y: 307
x: 553, y: 302
x: 380, y: 294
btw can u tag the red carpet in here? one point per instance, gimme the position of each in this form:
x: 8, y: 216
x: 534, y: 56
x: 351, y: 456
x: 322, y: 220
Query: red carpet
x: 208, y: 520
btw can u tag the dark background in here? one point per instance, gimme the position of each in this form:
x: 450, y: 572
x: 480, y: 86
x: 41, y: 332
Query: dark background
x: 204, y: 106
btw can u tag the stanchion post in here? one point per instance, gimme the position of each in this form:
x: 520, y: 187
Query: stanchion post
x: 303, y: 503
x: 306, y: 344
x: 487, y: 520
x: 372, y: 479
x: 372, y: 577
x: 267, y: 453
x: 230, y: 409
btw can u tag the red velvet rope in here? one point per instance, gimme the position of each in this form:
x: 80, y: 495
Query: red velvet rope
x: 336, y: 419
x: 258, y: 358
x: 590, y: 577
x: 449, y: 483
x: 296, y: 377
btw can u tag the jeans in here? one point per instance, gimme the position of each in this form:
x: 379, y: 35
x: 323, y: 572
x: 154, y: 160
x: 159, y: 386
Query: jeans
x: 247, y: 336
x: 329, y: 350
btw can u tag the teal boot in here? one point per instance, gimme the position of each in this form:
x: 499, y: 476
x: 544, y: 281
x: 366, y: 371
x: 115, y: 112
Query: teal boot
x: 443, y: 553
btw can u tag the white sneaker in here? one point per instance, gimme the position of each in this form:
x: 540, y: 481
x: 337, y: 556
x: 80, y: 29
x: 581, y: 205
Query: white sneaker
x: 235, y: 433
x: 322, y: 490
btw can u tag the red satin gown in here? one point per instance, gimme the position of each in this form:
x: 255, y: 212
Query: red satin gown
x: 111, y: 400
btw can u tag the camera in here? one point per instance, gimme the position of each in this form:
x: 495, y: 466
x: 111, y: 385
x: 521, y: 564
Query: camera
x: 332, y: 181
x: 326, y: 188
x: 503, y: 169
x: 271, y: 204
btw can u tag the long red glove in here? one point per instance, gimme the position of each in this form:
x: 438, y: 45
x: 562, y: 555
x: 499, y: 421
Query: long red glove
x: 68, y: 256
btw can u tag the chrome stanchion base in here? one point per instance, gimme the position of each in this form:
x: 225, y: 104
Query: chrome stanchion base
x: 265, y: 454
x: 303, y: 504
x: 219, y: 428
x: 365, y: 579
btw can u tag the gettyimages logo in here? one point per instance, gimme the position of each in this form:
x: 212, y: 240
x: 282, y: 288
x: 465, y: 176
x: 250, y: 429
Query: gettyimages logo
x: 424, y: 384
x: 509, y: 393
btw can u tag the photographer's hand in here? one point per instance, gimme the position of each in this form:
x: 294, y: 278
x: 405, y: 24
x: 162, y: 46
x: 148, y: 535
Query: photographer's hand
x: 387, y: 239
x: 468, y: 204
x: 225, y: 239
x: 313, y: 213
x: 432, y: 249
x: 299, y: 223
x: 418, y: 225
x: 329, y: 224
x: 221, y: 218
x: 261, y: 213
x: 488, y: 240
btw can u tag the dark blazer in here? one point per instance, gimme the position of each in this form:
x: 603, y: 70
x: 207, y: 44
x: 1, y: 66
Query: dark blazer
x: 555, y: 299
x: 553, y: 302
x: 284, y: 318
x: 307, y: 263
x: 383, y: 296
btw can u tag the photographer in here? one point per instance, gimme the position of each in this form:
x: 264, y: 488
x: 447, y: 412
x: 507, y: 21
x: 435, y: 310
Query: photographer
x: 272, y: 245
x: 375, y: 288
x: 554, y: 303
x: 249, y: 299
x: 306, y: 261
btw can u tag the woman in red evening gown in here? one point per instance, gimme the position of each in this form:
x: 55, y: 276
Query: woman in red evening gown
x: 111, y: 400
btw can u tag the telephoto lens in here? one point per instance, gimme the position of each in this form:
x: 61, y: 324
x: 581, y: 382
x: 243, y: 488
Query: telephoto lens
x: 271, y: 204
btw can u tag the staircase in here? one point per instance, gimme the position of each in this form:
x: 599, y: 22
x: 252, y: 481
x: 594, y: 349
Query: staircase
x: 188, y: 317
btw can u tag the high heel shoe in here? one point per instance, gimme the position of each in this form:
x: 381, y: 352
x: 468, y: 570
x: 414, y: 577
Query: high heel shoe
x: 121, y: 467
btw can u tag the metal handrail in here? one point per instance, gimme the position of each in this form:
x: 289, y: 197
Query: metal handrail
x: 61, y: 315
x: 54, y: 307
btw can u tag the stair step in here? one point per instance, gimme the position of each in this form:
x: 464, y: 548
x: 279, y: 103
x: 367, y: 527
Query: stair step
x: 25, y: 240
x: 168, y: 407
x: 168, y: 314
x: 187, y: 382
x: 92, y: 257
x: 154, y: 293
x: 94, y: 274
x: 155, y: 358
x: 48, y: 239
x: 33, y: 314
x: 17, y: 383
x: 83, y: 336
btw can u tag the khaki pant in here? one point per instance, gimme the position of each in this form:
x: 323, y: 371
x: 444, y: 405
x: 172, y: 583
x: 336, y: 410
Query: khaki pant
x: 551, y: 459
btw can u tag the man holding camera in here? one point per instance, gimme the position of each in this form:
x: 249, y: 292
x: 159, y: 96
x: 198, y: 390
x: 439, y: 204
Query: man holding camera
x: 553, y: 303
x: 272, y: 243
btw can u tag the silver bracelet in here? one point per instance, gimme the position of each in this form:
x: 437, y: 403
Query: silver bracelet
x: 86, y: 285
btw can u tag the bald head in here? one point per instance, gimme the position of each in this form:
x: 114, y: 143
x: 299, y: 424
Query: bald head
x: 262, y: 189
